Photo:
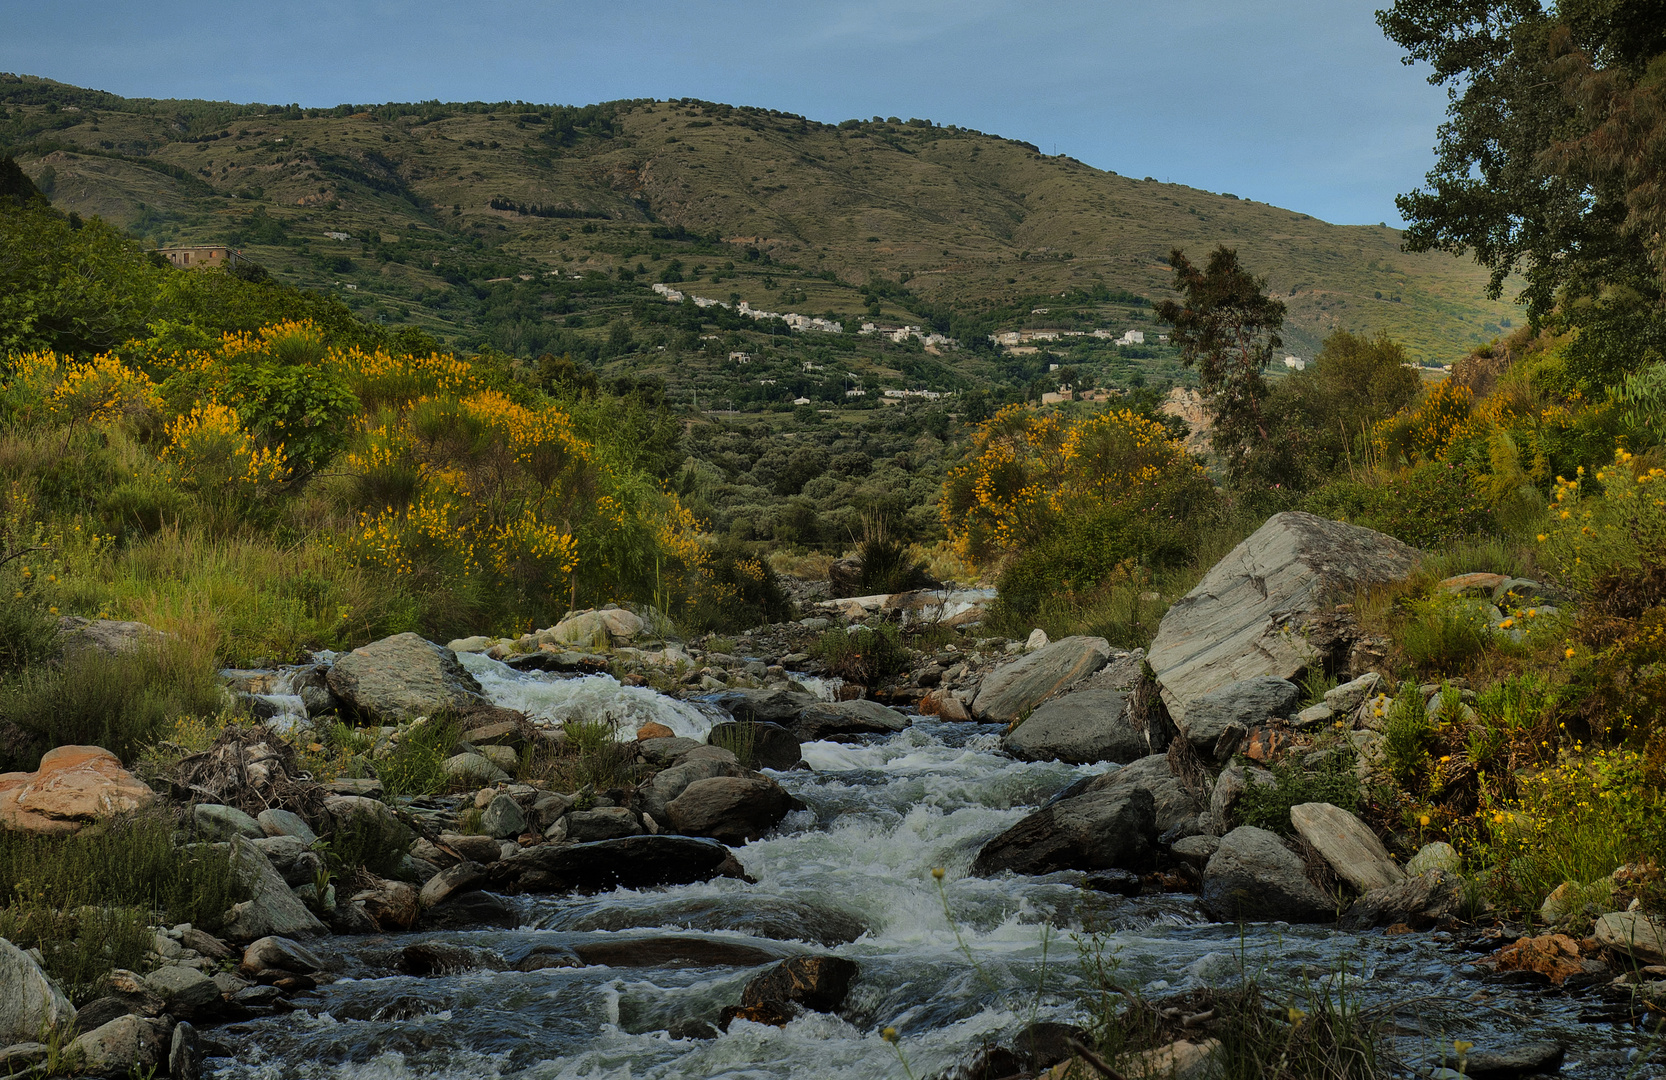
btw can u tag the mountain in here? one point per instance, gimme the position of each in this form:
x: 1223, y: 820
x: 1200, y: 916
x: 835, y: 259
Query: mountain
x: 412, y: 210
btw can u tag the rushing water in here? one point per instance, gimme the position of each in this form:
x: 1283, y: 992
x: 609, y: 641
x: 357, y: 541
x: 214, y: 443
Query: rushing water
x: 849, y: 875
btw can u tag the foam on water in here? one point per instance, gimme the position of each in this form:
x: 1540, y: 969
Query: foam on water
x: 550, y: 699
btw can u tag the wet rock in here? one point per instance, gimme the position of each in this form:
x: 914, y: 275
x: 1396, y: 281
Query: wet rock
x: 470, y: 911
x: 503, y: 819
x: 444, y: 958
x: 186, y: 990
x: 1526, y: 1059
x: 1173, y: 802
x: 1633, y: 935
x: 693, y: 1029
x: 1120, y: 882
x: 1100, y: 830
x: 1351, y: 848
x: 184, y: 1053
x: 817, y: 983
x: 475, y: 848
x: 673, y: 951
x: 121, y: 1047
x: 1234, y: 624
x: 603, y: 823
x: 73, y: 786
x: 1438, y: 855
x: 778, y: 706
x: 472, y: 768
x: 257, y: 997
x: 1420, y: 902
x: 280, y: 954
x: 391, y: 904
x: 1081, y: 728
x: 1253, y: 876
x: 29, y: 1002
x: 1555, y: 956
x: 733, y: 809
x: 1013, y: 688
x: 402, y: 677
x: 216, y: 822
x: 634, y: 862
x: 283, y: 823
x: 762, y: 745
x: 845, y: 719
x: 654, y: 796
x: 663, y: 752
x: 545, y: 957
x: 1248, y: 703
x: 271, y: 908
x: 771, y: 1013
x: 449, y: 882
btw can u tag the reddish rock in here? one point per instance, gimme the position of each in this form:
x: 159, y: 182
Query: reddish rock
x: 1263, y: 745
x: 1555, y: 956
x: 651, y: 730
x: 74, y: 785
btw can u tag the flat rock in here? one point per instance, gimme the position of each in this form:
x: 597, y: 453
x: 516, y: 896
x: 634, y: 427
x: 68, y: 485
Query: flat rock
x: 1249, y: 703
x: 1351, y: 848
x: 778, y: 705
x: 1081, y: 728
x: 1533, y: 1058
x: 450, y: 881
x: 733, y: 809
x: 29, y: 1002
x: 1231, y: 626
x: 1634, y: 935
x: 186, y: 990
x: 472, y: 768
x: 1099, y: 830
x: 602, y: 823
x: 403, y: 677
x: 1012, y: 689
x: 473, y: 847
x: 1253, y: 877
x: 634, y: 862
x: 844, y: 719
x: 73, y: 786
x: 275, y: 953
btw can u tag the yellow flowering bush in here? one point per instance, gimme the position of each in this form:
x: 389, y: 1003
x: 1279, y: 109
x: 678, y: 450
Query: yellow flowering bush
x: 1610, y: 526
x: 214, y: 456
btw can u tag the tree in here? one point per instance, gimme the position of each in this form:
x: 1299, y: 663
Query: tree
x: 1227, y: 327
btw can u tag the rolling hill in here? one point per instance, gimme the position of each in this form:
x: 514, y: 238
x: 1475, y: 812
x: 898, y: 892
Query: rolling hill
x: 428, y: 212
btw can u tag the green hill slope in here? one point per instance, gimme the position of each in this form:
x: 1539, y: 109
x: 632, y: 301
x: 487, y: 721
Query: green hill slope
x: 439, y: 201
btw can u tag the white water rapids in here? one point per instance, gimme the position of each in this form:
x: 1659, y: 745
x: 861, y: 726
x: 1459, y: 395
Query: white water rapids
x: 850, y: 875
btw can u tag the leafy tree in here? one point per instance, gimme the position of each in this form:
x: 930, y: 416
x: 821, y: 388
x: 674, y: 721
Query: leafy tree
x: 1227, y: 327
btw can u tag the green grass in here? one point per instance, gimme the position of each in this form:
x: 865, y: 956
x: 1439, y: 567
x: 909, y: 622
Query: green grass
x: 1268, y: 806
x: 415, y: 765
x: 864, y: 653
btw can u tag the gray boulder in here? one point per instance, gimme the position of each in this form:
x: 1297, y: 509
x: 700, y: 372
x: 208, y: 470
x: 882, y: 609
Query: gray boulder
x: 733, y: 809
x: 364, y: 814
x: 271, y: 908
x: 449, y: 882
x: 503, y: 819
x: 1173, y: 802
x: 602, y: 823
x: 1081, y: 728
x: 1099, y: 830
x: 402, y: 677
x: 280, y: 954
x: 1633, y: 935
x: 1253, y: 877
x: 1010, y: 690
x: 108, y: 636
x: 216, y: 822
x: 294, y: 861
x: 284, y: 823
x: 779, y: 705
x: 654, y: 796
x: 663, y: 752
x: 1235, y: 624
x: 841, y: 719
x: 1352, y: 850
x: 185, y: 990
x: 1230, y: 786
x: 472, y: 768
x: 128, y: 1045
x: 1249, y: 702
x: 29, y: 1003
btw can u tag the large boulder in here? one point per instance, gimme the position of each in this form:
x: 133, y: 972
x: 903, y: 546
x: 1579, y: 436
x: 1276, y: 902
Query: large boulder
x: 1173, y: 802
x: 1081, y: 728
x: 598, y: 629
x: 779, y: 705
x: 126, y: 1046
x: 634, y: 862
x: 74, y: 785
x: 1248, y: 702
x: 1633, y: 935
x: 846, y: 719
x: 1253, y: 877
x: 733, y: 809
x: 402, y: 677
x: 1013, y: 689
x: 1420, y: 902
x: 109, y: 637
x: 1236, y: 624
x: 654, y: 796
x: 271, y: 907
x: 1351, y: 848
x: 29, y: 1003
x: 1099, y: 830
x: 817, y: 983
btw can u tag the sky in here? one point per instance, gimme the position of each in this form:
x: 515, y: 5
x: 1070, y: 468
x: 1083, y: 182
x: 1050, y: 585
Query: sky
x: 1299, y: 103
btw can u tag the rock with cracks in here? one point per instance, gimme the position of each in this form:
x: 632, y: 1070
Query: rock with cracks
x: 73, y: 786
x: 271, y: 907
x: 1351, y: 848
x: 29, y: 1003
x: 1100, y: 830
x: 1013, y: 689
x: 1081, y: 728
x: 403, y: 677
x: 1252, y: 876
x: 1235, y: 624
x: 1248, y: 702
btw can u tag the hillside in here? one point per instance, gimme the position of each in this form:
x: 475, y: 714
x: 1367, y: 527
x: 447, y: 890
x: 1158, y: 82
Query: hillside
x: 440, y: 202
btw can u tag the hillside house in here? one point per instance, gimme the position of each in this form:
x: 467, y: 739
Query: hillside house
x: 190, y: 258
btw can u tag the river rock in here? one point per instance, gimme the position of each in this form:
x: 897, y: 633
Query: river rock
x: 674, y: 951
x: 73, y: 786
x: 1230, y: 786
x: 216, y: 822
x: 778, y: 705
x: 1437, y: 855
x: 602, y: 823
x: 283, y: 823
x: 402, y: 677
x: 1528, y: 1059
x: 733, y: 809
x: 762, y: 744
x: 1351, y: 848
x: 654, y: 796
x: 843, y: 719
x: 271, y: 908
x: 125, y: 1046
x: 184, y: 1053
x: 1633, y: 935
x: 1253, y: 877
x: 186, y: 990
x: 294, y: 861
x: 634, y: 862
x: 1234, y: 624
x: 663, y: 752
x: 29, y: 1003
x: 597, y: 629
x: 1173, y: 802
x: 1082, y: 728
x: 280, y: 954
x: 473, y: 847
x: 1248, y: 702
x: 1100, y: 830
x: 445, y: 958
x: 111, y: 637
x: 470, y: 911
x: 393, y: 905
x: 1420, y: 902
x: 502, y: 818
x: 1012, y: 689
x: 361, y: 813
x: 473, y: 768
x: 450, y: 881
x: 817, y: 983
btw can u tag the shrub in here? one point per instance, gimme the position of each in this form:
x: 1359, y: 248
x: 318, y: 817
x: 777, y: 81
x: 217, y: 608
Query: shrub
x: 863, y: 653
x: 415, y: 765
x: 593, y: 756
x: 1429, y: 505
x: 1444, y: 632
x: 736, y: 591
x: 888, y: 565
x: 1335, y: 781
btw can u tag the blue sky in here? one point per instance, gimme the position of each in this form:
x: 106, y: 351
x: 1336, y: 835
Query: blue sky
x: 1301, y: 103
